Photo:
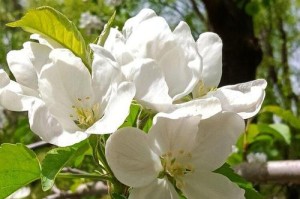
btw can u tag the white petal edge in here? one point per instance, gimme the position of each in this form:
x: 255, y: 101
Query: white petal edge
x: 204, y: 108
x: 210, y: 185
x: 105, y: 73
x: 116, y: 111
x: 173, y: 135
x: 4, y: 79
x: 46, y: 41
x: 159, y: 188
x: 151, y: 87
x: 133, y: 22
x: 115, y: 43
x: 216, y: 135
x: 130, y: 158
x: 14, y: 96
x: 210, y: 48
x: 47, y: 127
x: 245, y: 98
x: 193, y: 66
x: 22, y: 68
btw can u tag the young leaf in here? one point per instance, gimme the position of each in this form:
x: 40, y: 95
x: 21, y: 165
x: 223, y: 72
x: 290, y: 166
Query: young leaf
x: 53, y: 24
x: 19, y: 167
x: 283, y: 130
x: 56, y: 159
x: 279, y: 132
x: 104, y: 34
x: 250, y: 192
x: 133, y: 116
x: 286, y: 115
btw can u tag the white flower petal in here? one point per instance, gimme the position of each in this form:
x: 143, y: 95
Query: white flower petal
x: 210, y: 48
x: 14, y: 96
x: 63, y: 84
x: 151, y: 39
x: 204, y: 108
x: 115, y: 43
x: 21, y: 66
x: 151, y: 87
x: 216, y: 136
x: 38, y: 54
x: 14, y: 101
x: 173, y: 135
x: 47, y: 127
x: 210, y: 185
x: 160, y: 188
x: 116, y: 111
x: 245, y: 98
x: 105, y: 73
x: 46, y: 41
x: 21, y: 193
x: 192, y: 66
x: 133, y: 22
x: 4, y: 79
x: 130, y: 158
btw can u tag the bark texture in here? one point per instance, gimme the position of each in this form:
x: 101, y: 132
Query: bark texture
x: 241, y: 50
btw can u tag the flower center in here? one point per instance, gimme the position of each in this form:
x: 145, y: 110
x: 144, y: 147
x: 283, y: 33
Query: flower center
x: 176, y: 166
x: 203, y: 89
x: 85, y: 114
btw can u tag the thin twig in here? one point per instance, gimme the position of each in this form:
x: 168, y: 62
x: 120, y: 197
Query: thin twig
x: 98, y: 189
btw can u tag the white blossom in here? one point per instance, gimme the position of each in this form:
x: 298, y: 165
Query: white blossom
x: 163, y: 64
x: 244, y: 98
x: 180, y: 153
x: 65, y: 103
x: 76, y: 103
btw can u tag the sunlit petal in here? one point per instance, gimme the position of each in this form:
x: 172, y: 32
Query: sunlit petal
x: 216, y: 135
x: 116, y: 110
x: 49, y: 129
x: 160, y: 188
x: 245, y: 98
x: 130, y: 157
x: 211, y: 185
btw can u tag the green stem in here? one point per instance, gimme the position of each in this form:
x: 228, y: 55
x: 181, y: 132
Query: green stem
x: 103, y: 159
x: 89, y: 176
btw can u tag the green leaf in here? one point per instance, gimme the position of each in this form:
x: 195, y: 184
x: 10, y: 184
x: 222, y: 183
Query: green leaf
x: 19, y: 166
x: 252, y: 8
x: 58, y: 158
x: 53, y: 24
x: 283, y: 130
x: 104, y: 34
x: 250, y: 192
x: 118, y: 196
x: 286, y: 115
x: 268, y: 132
x: 133, y: 116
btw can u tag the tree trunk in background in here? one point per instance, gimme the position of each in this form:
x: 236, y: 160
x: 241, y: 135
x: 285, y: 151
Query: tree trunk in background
x: 241, y: 50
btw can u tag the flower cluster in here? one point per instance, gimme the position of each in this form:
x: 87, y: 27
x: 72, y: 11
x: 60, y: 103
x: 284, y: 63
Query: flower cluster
x: 169, y: 74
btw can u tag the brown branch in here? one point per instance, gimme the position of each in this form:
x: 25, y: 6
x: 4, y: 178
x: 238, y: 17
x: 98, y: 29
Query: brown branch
x: 98, y: 189
x: 282, y: 172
